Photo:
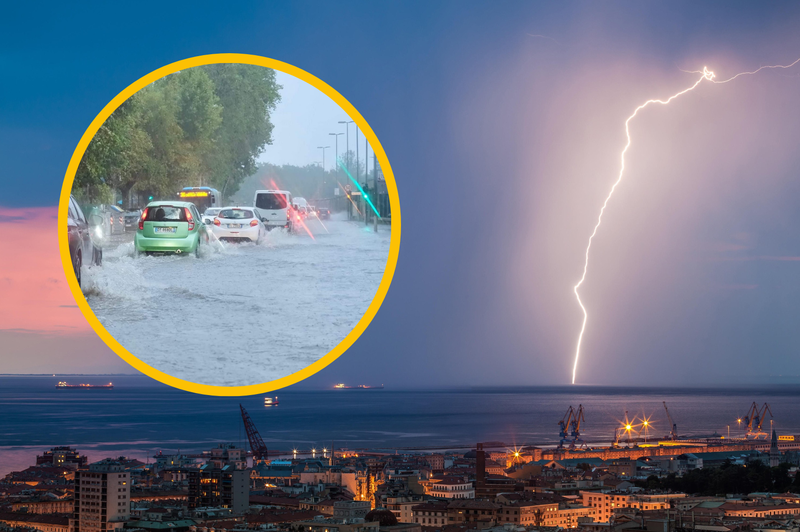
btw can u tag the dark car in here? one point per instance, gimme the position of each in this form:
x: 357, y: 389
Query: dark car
x: 82, y: 247
x: 323, y: 213
x: 132, y: 220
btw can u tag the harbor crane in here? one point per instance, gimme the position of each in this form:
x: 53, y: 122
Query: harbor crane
x: 755, y: 418
x: 257, y: 446
x: 673, y: 432
x: 570, y: 428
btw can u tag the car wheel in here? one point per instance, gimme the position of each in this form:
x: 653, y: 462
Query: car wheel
x: 197, y: 249
x: 77, y: 266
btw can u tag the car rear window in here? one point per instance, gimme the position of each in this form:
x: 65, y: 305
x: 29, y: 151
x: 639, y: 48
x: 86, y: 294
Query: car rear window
x: 236, y: 214
x: 271, y: 201
x: 211, y: 212
x: 166, y: 213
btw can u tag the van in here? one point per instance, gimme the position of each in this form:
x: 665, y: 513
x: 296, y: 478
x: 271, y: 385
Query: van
x: 275, y: 208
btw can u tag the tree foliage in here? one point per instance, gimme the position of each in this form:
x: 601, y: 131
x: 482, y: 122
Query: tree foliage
x: 201, y: 126
x: 728, y: 478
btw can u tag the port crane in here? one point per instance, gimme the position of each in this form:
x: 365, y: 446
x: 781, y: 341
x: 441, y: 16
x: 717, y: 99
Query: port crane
x: 570, y: 428
x: 673, y: 432
x: 755, y: 418
x: 257, y: 446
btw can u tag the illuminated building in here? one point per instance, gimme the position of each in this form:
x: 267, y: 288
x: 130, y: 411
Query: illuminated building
x: 225, y: 487
x: 62, y: 457
x: 605, y: 503
x: 102, y: 497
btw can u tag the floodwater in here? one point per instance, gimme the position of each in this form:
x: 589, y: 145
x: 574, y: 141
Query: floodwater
x: 241, y: 314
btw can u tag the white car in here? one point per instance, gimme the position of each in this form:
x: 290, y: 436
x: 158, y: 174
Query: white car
x: 239, y: 224
x: 208, y: 216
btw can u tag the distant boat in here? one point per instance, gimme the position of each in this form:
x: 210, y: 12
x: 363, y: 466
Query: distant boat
x: 270, y: 401
x: 62, y: 384
x: 341, y: 386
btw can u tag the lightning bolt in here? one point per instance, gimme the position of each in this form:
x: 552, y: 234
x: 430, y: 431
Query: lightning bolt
x: 705, y: 74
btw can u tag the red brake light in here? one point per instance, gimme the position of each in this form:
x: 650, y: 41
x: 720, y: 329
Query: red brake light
x: 253, y: 223
x: 189, y: 218
x: 141, y: 220
x: 216, y: 221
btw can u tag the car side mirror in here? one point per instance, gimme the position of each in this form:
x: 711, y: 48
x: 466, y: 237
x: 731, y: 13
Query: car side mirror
x: 95, y: 220
x: 263, y: 219
x: 207, y: 222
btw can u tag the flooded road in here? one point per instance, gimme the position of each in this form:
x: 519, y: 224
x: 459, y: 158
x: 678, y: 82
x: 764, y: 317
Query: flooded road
x: 241, y: 313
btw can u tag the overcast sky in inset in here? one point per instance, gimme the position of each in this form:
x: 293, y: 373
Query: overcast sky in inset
x: 303, y: 120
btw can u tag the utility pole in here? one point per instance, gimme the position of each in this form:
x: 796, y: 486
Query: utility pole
x: 357, y: 159
x: 323, y: 148
x: 375, y: 184
x: 336, y: 156
x: 336, y: 136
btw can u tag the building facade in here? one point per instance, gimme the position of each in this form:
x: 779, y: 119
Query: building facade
x: 225, y: 487
x: 102, y: 498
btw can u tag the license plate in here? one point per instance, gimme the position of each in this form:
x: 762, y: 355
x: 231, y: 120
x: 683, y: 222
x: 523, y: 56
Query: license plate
x: 234, y: 226
x: 164, y: 229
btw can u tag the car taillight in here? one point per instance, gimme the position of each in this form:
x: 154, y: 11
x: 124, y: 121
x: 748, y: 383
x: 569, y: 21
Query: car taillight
x: 253, y: 223
x: 189, y: 218
x: 216, y: 222
x: 141, y: 220
x: 298, y: 217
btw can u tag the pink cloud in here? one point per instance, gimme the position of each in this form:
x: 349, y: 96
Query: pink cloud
x: 35, y: 295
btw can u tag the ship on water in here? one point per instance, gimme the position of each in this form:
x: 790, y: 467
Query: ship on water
x: 342, y: 386
x: 63, y: 384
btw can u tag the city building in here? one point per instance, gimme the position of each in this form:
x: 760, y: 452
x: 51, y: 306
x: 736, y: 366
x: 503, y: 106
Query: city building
x: 227, y: 454
x: 62, y: 457
x: 351, y: 509
x: 450, y: 488
x: 337, y: 525
x: 102, y: 497
x: 43, y: 523
x: 431, y: 513
x: 605, y: 504
x: 225, y: 487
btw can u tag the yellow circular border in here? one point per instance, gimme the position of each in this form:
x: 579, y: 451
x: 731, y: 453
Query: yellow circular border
x: 206, y: 389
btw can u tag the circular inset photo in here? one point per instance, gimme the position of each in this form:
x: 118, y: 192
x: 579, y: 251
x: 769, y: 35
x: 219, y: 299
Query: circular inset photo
x: 229, y: 224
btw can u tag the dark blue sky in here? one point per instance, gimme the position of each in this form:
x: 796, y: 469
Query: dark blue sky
x: 467, y: 104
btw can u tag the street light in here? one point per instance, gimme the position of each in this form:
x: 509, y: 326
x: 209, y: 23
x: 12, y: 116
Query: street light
x: 323, y: 148
x: 336, y: 136
x: 347, y: 127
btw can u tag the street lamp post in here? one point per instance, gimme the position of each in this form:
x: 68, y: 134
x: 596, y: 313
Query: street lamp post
x: 347, y: 127
x: 323, y: 148
x: 336, y: 156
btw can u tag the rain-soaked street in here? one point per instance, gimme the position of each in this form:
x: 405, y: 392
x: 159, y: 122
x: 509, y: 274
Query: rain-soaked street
x: 242, y: 313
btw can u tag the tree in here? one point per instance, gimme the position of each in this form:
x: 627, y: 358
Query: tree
x: 248, y: 94
x: 204, y: 125
x: 118, y: 150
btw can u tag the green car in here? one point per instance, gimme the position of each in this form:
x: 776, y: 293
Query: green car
x: 170, y: 227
